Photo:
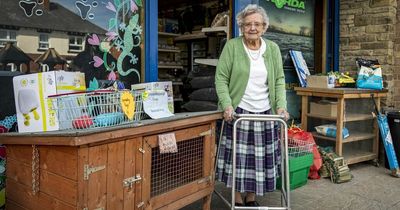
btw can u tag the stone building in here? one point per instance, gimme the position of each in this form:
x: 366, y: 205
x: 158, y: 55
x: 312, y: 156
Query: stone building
x: 371, y: 29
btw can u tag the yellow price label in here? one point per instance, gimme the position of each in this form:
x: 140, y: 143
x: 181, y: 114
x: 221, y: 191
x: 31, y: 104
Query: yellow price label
x: 128, y: 104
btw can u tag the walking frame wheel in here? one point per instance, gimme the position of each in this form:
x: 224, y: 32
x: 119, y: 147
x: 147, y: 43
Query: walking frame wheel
x: 285, y: 186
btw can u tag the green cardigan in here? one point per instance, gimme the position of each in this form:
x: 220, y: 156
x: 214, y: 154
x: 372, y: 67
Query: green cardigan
x: 233, y: 69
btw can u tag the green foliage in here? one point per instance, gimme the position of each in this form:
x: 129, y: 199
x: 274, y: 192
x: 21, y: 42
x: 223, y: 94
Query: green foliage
x: 139, y: 3
x: 112, y: 23
x: 117, y: 3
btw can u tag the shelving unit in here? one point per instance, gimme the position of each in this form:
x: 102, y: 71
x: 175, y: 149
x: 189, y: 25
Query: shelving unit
x: 170, y: 65
x: 202, y: 95
x: 353, y: 153
x: 206, y: 61
x: 218, y: 29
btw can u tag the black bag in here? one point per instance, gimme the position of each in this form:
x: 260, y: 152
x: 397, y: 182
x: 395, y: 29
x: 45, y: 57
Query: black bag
x: 202, y: 82
x: 198, y: 106
x: 204, y: 94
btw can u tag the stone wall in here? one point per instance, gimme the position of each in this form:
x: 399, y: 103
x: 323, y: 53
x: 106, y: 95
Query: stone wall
x: 396, y: 68
x: 368, y: 30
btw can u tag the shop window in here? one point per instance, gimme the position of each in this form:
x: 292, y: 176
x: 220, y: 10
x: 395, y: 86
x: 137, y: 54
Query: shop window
x: 7, y: 36
x: 317, y: 33
x: 43, y: 42
x: 75, y: 44
x: 97, y: 37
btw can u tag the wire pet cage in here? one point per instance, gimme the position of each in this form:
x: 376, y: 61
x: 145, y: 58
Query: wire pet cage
x: 95, y: 109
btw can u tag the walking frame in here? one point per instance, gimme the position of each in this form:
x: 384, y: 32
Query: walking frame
x: 285, y: 186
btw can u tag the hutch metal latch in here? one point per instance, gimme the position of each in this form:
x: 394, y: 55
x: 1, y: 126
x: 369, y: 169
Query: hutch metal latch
x: 89, y: 170
x: 206, y: 133
x: 131, y: 180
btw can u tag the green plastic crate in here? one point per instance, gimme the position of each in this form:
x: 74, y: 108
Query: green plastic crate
x: 298, y: 171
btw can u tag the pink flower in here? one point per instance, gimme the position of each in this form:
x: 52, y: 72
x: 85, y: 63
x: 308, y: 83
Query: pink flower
x: 112, y: 76
x: 134, y: 7
x: 111, y: 35
x: 94, y: 40
x: 97, y: 61
x: 111, y: 7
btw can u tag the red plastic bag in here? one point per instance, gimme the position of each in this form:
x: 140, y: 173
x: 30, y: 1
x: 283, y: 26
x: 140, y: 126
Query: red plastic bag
x: 299, y: 134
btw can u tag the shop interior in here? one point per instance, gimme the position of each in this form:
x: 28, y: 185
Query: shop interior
x: 190, y: 38
x: 191, y: 35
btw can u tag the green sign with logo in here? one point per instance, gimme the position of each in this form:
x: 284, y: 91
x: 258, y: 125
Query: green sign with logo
x: 298, y: 4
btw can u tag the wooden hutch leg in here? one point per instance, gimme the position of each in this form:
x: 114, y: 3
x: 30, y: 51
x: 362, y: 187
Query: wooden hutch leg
x: 304, y: 112
x: 339, y: 126
x: 375, y: 144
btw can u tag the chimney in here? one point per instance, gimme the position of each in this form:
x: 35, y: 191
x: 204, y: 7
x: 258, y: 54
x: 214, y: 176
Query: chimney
x: 46, y: 5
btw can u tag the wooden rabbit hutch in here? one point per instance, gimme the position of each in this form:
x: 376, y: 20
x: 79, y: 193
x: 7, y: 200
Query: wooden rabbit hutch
x: 113, y: 168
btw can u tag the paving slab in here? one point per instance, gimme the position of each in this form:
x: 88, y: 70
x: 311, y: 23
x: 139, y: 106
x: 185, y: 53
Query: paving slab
x: 371, y: 188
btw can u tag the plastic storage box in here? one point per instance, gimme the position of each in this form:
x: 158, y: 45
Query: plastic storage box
x: 300, y: 160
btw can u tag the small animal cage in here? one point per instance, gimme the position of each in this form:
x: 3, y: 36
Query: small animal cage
x: 96, y: 109
x: 170, y: 171
x: 173, y: 176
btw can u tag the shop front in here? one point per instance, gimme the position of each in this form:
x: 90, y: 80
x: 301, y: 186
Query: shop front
x: 115, y: 162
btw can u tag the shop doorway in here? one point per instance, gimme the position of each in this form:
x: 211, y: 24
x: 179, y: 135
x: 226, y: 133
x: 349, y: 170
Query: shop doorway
x: 182, y: 42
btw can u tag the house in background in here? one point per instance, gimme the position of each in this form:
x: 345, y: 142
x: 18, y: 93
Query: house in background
x: 35, y: 26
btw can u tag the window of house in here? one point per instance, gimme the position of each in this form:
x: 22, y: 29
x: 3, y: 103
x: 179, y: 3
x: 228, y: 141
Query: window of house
x: 7, y: 36
x: 75, y: 44
x: 11, y: 67
x: 43, y: 42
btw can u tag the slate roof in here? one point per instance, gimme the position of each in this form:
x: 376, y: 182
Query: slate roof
x: 58, y: 18
x: 12, y: 54
x: 51, y: 56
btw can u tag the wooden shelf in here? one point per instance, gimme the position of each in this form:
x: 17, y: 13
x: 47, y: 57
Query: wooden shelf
x: 356, y: 156
x: 357, y: 117
x: 348, y: 117
x: 178, y: 99
x: 177, y: 83
x: 168, y: 34
x: 206, y: 61
x: 346, y: 93
x: 169, y: 67
x: 354, y: 136
x: 192, y: 36
x: 216, y: 29
x: 169, y: 50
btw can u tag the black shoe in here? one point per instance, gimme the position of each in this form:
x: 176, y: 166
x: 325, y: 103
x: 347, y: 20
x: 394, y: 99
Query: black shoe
x: 251, y: 203
x: 239, y: 204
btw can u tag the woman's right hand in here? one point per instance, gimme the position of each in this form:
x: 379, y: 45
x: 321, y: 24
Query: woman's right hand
x: 228, y: 114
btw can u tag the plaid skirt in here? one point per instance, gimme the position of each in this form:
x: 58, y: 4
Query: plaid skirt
x: 258, y: 155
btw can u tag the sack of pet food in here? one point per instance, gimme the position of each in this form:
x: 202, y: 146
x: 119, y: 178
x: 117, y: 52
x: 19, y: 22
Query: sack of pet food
x: 330, y: 130
x: 369, y: 74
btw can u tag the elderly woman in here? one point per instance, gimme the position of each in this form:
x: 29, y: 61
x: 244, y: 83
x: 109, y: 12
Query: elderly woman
x: 250, y: 80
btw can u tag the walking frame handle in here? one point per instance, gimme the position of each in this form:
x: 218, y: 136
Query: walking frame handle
x: 259, y: 116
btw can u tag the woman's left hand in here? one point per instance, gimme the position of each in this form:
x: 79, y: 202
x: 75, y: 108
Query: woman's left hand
x: 282, y: 112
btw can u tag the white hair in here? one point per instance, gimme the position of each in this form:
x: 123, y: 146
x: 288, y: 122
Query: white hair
x: 249, y: 10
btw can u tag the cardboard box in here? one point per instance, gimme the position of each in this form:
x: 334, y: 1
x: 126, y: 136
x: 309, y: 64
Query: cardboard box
x: 34, y: 110
x: 319, y: 82
x: 328, y: 109
x: 166, y: 86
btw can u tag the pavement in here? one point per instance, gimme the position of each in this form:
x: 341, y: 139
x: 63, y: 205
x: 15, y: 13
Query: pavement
x: 371, y: 188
